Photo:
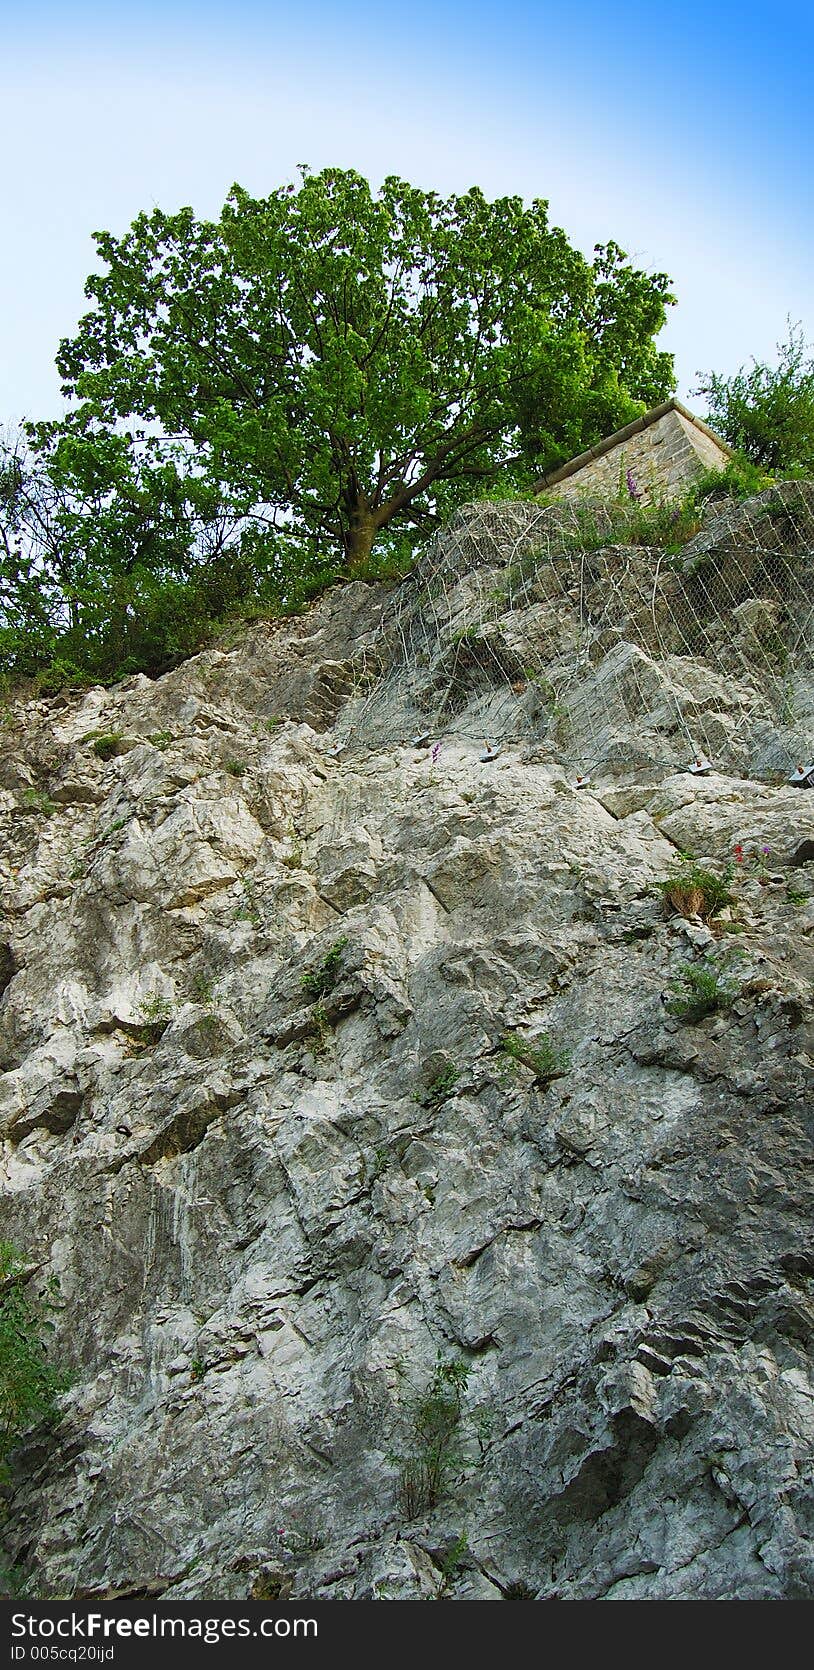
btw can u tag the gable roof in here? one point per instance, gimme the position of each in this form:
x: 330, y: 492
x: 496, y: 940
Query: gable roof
x: 620, y: 435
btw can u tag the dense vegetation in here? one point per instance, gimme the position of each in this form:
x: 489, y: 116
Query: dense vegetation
x: 767, y: 412
x: 29, y: 1381
x: 297, y: 392
x: 301, y: 390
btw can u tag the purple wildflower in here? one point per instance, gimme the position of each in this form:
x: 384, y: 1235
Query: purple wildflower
x: 436, y: 753
x: 632, y: 486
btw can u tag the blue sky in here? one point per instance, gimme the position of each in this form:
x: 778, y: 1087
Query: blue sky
x: 683, y: 131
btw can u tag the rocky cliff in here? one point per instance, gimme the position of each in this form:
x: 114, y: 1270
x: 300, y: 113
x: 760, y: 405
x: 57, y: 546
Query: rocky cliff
x: 414, y: 1236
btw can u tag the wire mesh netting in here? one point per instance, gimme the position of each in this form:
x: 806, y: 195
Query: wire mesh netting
x: 545, y: 623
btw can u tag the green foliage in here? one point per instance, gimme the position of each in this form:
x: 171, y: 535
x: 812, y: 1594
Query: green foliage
x: 454, y: 1557
x: 36, y: 800
x: 740, y: 480
x: 439, y: 1089
x: 296, y: 391
x: 322, y: 979
x: 690, y: 890
x: 107, y: 744
x: 701, y: 989
x: 235, y: 768
x: 431, y: 1450
x: 542, y: 1056
x: 322, y: 1026
x: 292, y: 860
x: 155, y: 1015
x: 666, y: 524
x: 250, y: 908
x: 29, y: 1382
x: 202, y: 988
x: 767, y: 412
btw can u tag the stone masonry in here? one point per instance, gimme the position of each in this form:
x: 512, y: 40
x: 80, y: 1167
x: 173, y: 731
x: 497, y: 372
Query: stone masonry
x: 665, y: 451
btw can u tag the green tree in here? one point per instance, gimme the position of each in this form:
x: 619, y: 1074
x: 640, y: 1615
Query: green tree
x: 765, y: 411
x: 338, y: 364
x: 29, y: 1382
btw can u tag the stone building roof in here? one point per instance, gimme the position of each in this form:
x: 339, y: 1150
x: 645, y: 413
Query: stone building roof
x: 668, y: 446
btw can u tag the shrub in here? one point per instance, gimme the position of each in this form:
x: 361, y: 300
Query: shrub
x: 322, y: 979
x: 250, y: 908
x: 202, y: 988
x: 156, y: 1014
x: 431, y: 1450
x: 767, y: 412
x: 106, y: 744
x: 740, y: 480
x: 29, y: 1382
x: 541, y: 1055
x: 36, y: 800
x: 690, y: 890
x: 666, y: 524
x: 701, y: 989
x: 438, y: 1089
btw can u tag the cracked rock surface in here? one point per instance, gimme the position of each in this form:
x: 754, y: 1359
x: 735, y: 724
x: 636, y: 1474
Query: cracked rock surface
x: 259, y: 1122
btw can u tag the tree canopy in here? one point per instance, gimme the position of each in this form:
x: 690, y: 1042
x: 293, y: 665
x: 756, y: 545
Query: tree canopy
x: 767, y: 411
x: 324, y: 370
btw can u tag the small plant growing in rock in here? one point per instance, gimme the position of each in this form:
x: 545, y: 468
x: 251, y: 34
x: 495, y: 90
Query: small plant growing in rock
x: 453, y: 1559
x: 322, y: 1026
x: 431, y: 1452
x: 250, y: 908
x: 155, y: 1015
x: 202, y: 988
x: 36, y: 800
x: 160, y: 739
x: 235, y: 768
x: 701, y: 989
x: 29, y: 1381
x: 322, y: 979
x: 541, y: 1055
x: 690, y: 890
x: 106, y: 744
x: 439, y: 1088
x: 292, y: 860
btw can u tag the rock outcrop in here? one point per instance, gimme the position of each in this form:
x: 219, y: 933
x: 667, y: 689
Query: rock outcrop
x: 261, y: 1122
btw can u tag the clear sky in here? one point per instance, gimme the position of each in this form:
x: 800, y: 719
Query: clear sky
x: 685, y: 131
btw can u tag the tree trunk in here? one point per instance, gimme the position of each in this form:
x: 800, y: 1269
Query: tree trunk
x: 362, y: 531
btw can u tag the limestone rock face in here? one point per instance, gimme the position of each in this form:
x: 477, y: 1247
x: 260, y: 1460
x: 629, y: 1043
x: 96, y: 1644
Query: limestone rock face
x: 259, y: 1122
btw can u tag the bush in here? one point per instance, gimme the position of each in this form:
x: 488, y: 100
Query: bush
x: 322, y: 979
x: 29, y: 1382
x: 689, y: 890
x: 439, y: 1088
x: 155, y: 1017
x: 106, y: 745
x: 767, y: 412
x: 542, y: 1056
x: 701, y: 989
x: 740, y: 480
x: 431, y: 1450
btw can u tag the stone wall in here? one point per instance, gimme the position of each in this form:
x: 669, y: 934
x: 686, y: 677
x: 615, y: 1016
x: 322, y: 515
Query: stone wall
x: 664, y: 459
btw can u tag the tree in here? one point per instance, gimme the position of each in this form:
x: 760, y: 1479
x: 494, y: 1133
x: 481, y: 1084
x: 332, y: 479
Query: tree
x: 29, y: 1382
x: 767, y: 412
x: 337, y: 364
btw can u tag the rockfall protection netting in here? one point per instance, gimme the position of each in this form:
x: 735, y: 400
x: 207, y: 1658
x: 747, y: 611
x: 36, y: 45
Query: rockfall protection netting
x: 538, y: 623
